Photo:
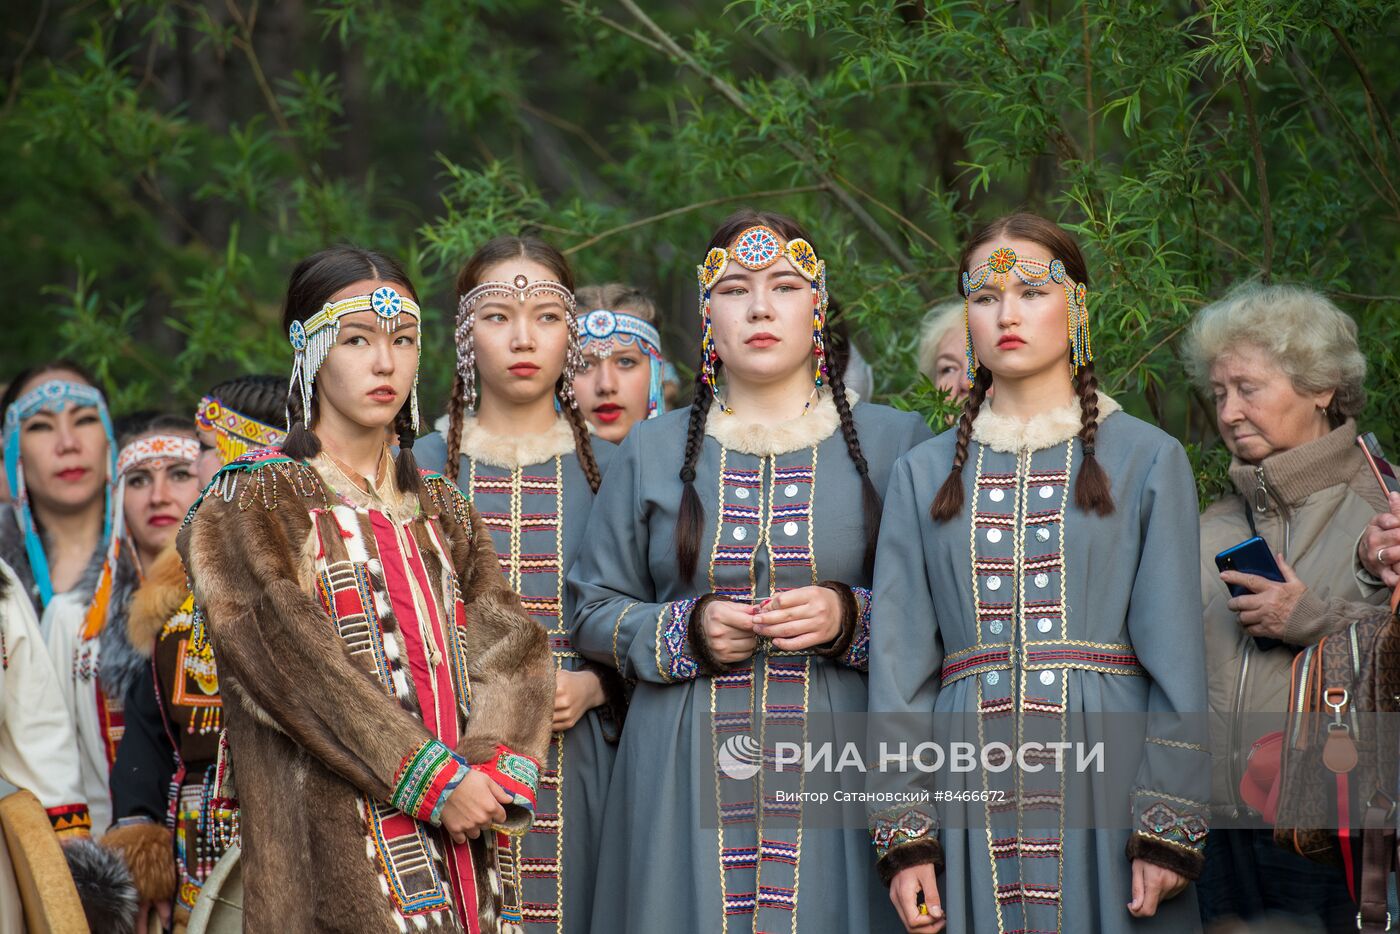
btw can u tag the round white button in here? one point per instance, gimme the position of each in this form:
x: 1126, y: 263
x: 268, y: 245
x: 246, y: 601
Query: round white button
x: 1042, y: 580
x: 790, y: 528
x: 994, y: 535
x: 740, y: 534
x: 1044, y: 625
x: 994, y: 583
x: 997, y: 496
x: 993, y: 677
x: 1043, y: 534
x: 742, y: 492
x: 995, y: 626
x: 790, y: 489
x: 1046, y: 492
x: 1047, y: 677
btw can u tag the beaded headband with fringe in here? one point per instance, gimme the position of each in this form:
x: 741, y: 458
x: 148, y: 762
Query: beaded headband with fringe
x: 520, y: 290
x: 54, y: 395
x: 997, y: 269
x: 758, y: 248
x: 234, y: 433
x: 313, y: 339
x: 604, y: 332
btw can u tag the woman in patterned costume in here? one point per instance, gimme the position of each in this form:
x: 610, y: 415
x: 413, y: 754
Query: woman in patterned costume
x: 172, y: 820
x: 523, y: 457
x: 1035, y: 566
x: 386, y: 696
x: 727, y: 572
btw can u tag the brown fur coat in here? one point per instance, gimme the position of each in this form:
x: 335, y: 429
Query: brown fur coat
x: 316, y: 739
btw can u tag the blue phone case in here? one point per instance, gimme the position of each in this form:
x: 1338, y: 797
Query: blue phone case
x: 1252, y: 556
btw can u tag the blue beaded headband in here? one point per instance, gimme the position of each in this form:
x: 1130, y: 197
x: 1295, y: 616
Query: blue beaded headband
x: 54, y: 395
x: 603, y: 331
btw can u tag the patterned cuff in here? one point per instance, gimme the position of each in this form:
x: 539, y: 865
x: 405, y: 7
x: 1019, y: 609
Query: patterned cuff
x: 70, y: 820
x: 517, y: 774
x: 674, y: 643
x: 1169, y: 831
x: 424, y: 780
x: 905, y: 838
x: 851, y: 647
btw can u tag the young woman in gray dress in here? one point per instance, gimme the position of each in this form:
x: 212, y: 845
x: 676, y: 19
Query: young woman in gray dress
x: 1034, y: 565
x: 524, y: 458
x: 727, y: 574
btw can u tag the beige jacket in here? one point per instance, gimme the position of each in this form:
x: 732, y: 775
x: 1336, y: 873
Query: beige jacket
x: 1311, y: 504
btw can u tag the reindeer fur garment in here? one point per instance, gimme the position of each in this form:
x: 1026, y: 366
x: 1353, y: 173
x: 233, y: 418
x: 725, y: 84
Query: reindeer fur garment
x: 314, y: 734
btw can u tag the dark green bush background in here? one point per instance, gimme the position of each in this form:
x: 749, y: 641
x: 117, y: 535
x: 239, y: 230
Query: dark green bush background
x: 163, y: 165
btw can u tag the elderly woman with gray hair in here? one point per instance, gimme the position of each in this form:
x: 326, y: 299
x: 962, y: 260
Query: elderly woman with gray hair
x: 1285, y: 372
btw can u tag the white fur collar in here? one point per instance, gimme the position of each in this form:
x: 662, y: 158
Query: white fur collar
x: 1010, y: 435
x: 747, y: 437
x: 511, y: 451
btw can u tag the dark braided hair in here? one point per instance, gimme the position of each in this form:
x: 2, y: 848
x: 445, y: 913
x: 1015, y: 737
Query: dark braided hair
x: 258, y: 396
x: 949, y: 501
x: 312, y: 283
x: 499, y: 250
x: 1092, y: 490
x: 691, y: 517
x: 456, y: 413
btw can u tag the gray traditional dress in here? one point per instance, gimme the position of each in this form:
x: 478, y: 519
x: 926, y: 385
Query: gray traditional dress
x: 688, y: 847
x: 1019, y: 615
x: 533, y: 496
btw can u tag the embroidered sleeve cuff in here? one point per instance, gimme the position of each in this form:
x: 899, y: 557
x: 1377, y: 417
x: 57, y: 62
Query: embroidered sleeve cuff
x: 70, y: 819
x: 1169, y: 832
x: 520, y: 776
x: 1183, y: 860
x: 852, y: 645
x: 905, y: 838
x: 681, y: 650
x: 424, y: 780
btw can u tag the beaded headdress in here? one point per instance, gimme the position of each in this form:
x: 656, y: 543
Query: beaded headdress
x: 758, y: 248
x: 997, y: 269
x: 234, y: 433
x: 149, y: 450
x: 54, y: 395
x: 313, y: 339
x: 520, y: 290
x: 604, y: 332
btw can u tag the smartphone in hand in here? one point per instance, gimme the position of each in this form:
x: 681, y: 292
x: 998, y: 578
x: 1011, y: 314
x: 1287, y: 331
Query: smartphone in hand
x: 1252, y: 556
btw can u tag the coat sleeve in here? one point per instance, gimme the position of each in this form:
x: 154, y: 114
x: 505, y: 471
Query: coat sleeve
x: 507, y: 659
x: 906, y: 658
x: 1172, y: 787
x: 145, y: 757
x: 38, y: 744
x: 618, y: 620
x: 282, y: 662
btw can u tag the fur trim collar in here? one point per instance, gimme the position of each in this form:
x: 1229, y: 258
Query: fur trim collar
x: 746, y: 437
x: 511, y: 451
x: 160, y: 595
x: 1010, y: 435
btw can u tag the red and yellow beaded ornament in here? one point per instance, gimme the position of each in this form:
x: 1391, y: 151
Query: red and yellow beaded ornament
x: 997, y: 270
x: 758, y: 248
